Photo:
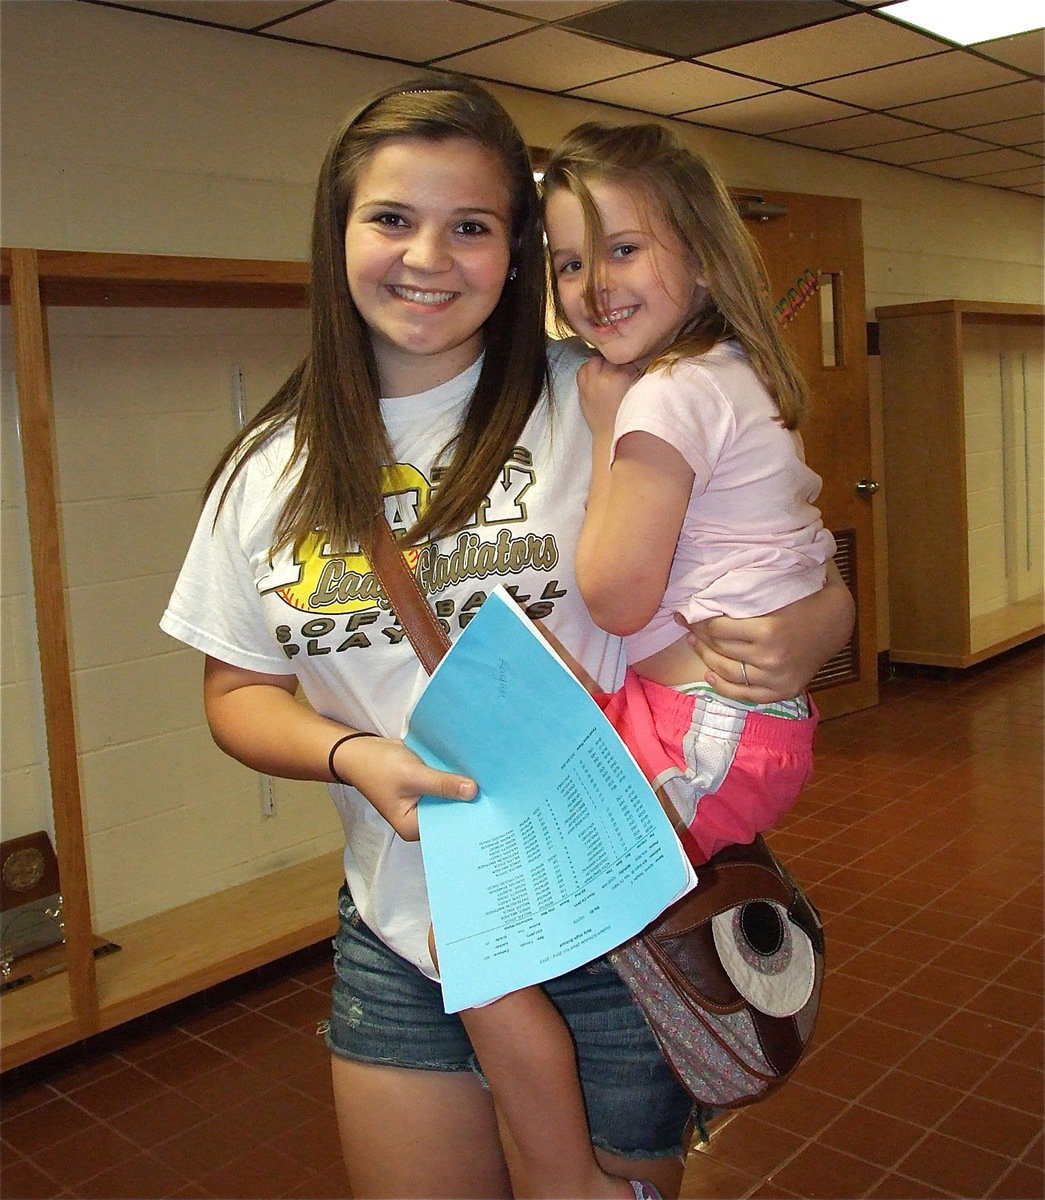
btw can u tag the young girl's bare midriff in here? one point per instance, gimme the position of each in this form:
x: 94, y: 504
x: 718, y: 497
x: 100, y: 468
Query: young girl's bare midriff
x: 674, y: 666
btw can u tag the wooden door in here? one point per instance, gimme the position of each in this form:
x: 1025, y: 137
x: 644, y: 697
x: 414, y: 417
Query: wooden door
x: 813, y: 251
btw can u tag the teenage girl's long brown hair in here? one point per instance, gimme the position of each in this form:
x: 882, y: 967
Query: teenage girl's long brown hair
x: 695, y: 204
x: 332, y: 397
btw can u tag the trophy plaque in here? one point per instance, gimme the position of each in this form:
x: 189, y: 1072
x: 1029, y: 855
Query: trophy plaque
x: 30, y: 896
x: 32, y: 924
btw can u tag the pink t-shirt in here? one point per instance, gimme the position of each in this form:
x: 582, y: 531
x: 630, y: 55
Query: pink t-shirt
x: 752, y: 539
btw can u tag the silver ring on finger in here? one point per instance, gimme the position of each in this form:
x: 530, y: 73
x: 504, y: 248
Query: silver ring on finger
x: 743, y: 671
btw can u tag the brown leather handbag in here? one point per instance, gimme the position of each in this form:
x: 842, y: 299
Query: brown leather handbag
x: 729, y: 977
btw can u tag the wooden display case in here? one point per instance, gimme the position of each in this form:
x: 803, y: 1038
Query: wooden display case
x: 175, y: 953
x: 962, y: 389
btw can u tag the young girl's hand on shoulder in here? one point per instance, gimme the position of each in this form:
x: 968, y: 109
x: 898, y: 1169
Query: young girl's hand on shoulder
x: 602, y: 387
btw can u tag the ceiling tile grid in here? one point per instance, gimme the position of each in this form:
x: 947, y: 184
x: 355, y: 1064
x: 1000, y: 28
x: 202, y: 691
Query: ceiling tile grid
x: 668, y: 89
x: 420, y: 32
x: 860, y: 42
x: 772, y: 113
x: 840, y: 76
x: 550, y: 59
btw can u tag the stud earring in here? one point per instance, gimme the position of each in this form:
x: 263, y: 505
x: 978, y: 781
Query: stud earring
x: 512, y: 273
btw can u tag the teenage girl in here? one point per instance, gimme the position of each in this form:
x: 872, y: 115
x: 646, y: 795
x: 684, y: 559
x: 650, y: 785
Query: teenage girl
x: 427, y: 391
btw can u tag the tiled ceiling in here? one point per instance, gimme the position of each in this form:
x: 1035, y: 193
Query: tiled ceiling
x: 840, y: 76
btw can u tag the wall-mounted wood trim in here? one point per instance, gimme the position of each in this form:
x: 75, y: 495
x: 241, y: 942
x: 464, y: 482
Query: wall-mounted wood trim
x: 963, y: 309
x: 69, y: 277
x: 36, y: 419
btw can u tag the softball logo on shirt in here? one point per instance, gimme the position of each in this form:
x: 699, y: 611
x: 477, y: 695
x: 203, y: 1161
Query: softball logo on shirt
x: 319, y: 580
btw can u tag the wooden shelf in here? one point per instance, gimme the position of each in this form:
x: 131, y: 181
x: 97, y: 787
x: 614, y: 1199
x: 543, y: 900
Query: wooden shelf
x: 993, y: 633
x: 177, y: 953
x: 37, y: 1019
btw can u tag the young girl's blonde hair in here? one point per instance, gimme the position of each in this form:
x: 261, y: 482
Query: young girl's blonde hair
x: 696, y: 206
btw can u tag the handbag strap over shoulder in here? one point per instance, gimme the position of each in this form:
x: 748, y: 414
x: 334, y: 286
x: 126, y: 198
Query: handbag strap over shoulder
x: 426, y: 635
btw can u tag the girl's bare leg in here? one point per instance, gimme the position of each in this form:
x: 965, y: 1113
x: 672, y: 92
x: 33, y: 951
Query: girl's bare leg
x: 664, y: 1173
x: 528, y: 1058
x: 407, y: 1134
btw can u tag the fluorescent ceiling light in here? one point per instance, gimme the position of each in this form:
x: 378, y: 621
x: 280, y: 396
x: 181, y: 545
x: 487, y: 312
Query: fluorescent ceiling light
x: 967, y: 23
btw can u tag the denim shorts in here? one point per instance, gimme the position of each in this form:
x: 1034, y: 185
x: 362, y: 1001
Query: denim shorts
x: 386, y: 1011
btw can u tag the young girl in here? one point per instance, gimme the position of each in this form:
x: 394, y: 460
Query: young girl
x: 701, y: 503
x: 428, y: 392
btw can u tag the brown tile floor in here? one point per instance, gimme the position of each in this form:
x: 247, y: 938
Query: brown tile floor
x: 921, y: 841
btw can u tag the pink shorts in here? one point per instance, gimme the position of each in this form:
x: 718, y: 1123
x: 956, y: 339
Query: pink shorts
x: 729, y: 772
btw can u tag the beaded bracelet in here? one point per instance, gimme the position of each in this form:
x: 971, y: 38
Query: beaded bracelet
x: 333, y: 750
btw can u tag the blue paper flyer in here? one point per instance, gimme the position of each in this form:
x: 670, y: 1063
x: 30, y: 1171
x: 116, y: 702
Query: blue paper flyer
x: 566, y: 852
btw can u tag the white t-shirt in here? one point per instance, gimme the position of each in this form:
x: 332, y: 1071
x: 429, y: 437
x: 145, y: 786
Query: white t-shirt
x: 752, y: 539
x: 322, y: 617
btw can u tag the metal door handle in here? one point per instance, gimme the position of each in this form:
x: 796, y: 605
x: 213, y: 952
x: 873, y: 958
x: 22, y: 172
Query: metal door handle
x: 866, y: 487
